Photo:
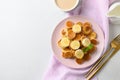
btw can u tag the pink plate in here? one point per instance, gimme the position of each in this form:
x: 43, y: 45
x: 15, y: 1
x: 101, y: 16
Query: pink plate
x: 71, y: 62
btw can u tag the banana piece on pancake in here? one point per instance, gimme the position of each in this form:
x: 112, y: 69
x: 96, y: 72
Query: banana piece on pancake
x: 86, y: 42
x: 79, y: 54
x: 75, y: 44
x: 76, y: 28
x: 64, y: 42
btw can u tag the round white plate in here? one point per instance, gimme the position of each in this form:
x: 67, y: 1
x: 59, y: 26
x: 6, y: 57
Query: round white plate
x: 71, y: 62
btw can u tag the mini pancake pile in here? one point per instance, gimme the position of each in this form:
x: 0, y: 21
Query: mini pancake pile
x: 78, y: 41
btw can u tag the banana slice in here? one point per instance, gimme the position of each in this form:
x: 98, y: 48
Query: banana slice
x: 64, y: 42
x: 76, y: 28
x: 75, y: 44
x: 79, y: 54
x: 93, y: 35
x: 86, y: 42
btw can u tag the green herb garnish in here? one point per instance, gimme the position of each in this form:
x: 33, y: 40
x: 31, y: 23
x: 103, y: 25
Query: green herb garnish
x: 88, y: 48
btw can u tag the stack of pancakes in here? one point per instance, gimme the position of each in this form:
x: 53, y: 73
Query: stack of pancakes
x: 78, y: 41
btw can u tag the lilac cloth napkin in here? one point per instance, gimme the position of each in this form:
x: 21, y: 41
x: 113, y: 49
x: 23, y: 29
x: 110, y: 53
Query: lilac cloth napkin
x: 95, y: 10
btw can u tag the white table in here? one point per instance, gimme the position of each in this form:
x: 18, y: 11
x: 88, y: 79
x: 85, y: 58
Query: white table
x: 25, y: 33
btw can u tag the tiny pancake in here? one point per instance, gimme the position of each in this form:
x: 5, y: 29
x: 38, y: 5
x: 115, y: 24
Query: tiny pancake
x: 94, y: 41
x: 80, y: 61
x: 78, y: 37
x: 65, y: 50
x: 63, y: 32
x: 87, y: 57
x: 71, y: 34
x: 69, y: 24
x: 93, y: 35
x: 68, y: 55
x: 87, y: 24
x: 87, y: 29
x: 80, y: 23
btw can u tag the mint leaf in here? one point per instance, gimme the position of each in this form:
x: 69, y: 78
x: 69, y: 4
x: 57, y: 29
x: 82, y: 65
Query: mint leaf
x: 88, y: 48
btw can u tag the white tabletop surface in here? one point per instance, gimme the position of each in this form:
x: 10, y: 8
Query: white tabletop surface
x: 25, y: 34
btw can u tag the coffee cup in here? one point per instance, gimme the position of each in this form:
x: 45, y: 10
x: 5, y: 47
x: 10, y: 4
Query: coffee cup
x: 114, y: 13
x: 67, y: 5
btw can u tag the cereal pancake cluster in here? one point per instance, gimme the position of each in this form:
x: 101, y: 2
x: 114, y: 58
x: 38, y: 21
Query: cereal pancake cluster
x: 78, y: 41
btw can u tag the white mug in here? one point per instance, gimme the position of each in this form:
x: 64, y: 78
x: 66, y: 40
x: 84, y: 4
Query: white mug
x: 115, y: 19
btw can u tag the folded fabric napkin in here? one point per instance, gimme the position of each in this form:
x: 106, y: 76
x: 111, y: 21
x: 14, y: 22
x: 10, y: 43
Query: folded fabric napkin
x: 95, y: 10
